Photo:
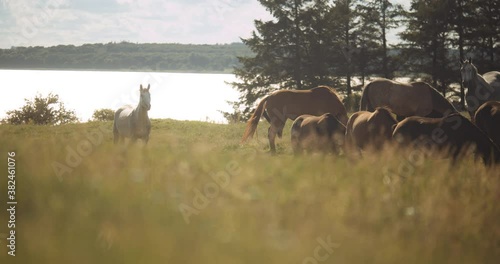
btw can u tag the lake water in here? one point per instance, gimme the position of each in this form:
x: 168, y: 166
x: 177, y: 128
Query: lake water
x: 181, y: 96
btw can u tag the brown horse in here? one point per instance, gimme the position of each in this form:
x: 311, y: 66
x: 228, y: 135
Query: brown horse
x: 323, y: 133
x: 487, y: 118
x: 453, y: 133
x: 370, y: 129
x: 289, y: 104
x: 412, y: 99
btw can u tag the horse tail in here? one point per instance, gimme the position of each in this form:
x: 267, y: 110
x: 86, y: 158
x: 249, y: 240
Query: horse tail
x: 364, y: 104
x: 254, y: 120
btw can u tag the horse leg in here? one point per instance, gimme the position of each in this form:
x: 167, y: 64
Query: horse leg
x: 276, y: 129
x: 133, y: 139
x: 116, y: 135
x: 271, y: 135
x: 146, y: 139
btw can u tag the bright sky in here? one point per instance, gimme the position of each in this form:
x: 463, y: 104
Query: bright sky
x: 53, y: 22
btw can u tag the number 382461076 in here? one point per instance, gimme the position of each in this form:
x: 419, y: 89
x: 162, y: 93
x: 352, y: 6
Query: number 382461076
x: 11, y: 169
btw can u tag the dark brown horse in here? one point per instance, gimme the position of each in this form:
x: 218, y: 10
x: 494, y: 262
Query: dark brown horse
x: 487, y: 118
x: 370, y: 129
x: 412, y: 99
x: 323, y: 133
x: 289, y: 104
x: 453, y: 133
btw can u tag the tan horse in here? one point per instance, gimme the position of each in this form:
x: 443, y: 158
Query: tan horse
x: 323, y: 133
x: 480, y: 89
x: 289, y: 104
x: 370, y: 129
x: 487, y: 118
x: 412, y: 99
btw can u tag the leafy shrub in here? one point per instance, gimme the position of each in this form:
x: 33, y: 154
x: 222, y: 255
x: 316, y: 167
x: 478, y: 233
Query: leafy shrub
x: 103, y: 115
x: 42, y: 111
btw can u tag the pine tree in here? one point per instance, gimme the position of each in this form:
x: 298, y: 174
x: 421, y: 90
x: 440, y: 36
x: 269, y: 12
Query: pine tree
x: 462, y: 23
x: 427, y: 40
x: 385, y: 16
x: 345, y: 26
x: 287, y: 50
x: 486, y: 35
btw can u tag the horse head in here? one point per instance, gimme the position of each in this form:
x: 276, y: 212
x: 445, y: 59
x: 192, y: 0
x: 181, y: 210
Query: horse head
x: 145, y: 99
x: 468, y: 72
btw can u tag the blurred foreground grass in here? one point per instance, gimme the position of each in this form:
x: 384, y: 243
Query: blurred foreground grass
x: 194, y: 195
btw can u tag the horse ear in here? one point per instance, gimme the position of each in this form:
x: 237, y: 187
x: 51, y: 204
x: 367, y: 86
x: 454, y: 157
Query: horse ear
x: 148, y: 87
x: 140, y: 87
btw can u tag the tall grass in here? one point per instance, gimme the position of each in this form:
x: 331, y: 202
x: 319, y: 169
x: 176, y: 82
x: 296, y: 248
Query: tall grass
x: 124, y: 204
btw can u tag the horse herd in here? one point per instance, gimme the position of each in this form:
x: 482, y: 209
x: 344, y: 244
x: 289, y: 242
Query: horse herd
x: 413, y: 114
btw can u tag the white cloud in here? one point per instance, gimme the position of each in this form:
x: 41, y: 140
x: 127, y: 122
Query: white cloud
x: 53, y: 22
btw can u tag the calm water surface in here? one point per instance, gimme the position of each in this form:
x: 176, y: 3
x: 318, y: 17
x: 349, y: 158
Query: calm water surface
x: 182, y: 96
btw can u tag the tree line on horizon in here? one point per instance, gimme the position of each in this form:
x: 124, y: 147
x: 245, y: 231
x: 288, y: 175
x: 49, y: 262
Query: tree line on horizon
x: 320, y: 42
x: 127, y: 56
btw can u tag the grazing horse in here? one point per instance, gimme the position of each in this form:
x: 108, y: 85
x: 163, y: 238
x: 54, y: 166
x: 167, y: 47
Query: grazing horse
x: 453, y: 133
x: 324, y: 133
x: 480, y: 89
x: 412, y: 99
x: 133, y: 122
x: 370, y: 129
x: 289, y: 104
x: 487, y: 118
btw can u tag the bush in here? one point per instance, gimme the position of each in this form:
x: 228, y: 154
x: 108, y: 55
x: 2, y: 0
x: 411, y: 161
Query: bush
x: 103, y: 115
x: 42, y: 111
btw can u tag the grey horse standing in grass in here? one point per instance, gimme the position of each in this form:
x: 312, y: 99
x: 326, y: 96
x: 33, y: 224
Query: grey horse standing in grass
x: 133, y: 122
x: 480, y: 89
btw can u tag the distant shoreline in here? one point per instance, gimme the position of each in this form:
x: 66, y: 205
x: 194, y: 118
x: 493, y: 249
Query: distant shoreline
x: 117, y: 70
x: 125, y: 56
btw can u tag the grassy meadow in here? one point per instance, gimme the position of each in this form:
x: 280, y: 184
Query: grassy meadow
x: 195, y: 195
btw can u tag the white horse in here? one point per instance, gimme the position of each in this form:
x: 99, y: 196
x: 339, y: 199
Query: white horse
x: 133, y: 122
x: 480, y: 89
